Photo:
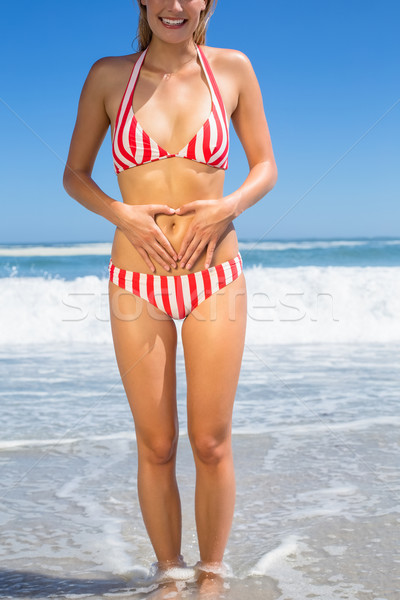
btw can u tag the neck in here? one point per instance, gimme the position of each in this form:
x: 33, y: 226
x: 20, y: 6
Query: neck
x: 169, y: 58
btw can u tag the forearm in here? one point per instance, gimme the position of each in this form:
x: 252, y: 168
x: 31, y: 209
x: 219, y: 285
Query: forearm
x: 80, y: 186
x: 261, y: 179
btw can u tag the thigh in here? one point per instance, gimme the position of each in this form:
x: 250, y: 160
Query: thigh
x: 213, y: 340
x: 145, y: 348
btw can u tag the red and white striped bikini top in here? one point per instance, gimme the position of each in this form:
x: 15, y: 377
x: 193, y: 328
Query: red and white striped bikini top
x: 132, y: 146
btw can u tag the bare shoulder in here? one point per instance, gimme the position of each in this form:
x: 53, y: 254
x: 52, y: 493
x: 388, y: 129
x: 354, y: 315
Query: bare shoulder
x: 229, y: 60
x: 111, y: 63
x: 109, y: 70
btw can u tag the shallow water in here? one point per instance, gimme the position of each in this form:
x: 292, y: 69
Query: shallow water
x: 316, y: 444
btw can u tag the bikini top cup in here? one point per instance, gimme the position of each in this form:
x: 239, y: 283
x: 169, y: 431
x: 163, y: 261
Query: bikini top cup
x: 132, y: 146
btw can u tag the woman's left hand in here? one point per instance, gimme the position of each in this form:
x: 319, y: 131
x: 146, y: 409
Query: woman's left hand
x: 211, y: 218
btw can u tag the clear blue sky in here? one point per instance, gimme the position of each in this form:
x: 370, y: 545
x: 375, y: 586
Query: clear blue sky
x: 328, y: 73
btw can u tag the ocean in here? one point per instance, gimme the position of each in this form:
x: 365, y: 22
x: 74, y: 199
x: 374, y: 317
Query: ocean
x: 315, y: 429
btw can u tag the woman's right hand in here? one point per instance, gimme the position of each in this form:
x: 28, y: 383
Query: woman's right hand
x: 137, y: 222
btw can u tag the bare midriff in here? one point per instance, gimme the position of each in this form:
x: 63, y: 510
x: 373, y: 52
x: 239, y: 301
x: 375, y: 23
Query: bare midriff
x: 174, y: 182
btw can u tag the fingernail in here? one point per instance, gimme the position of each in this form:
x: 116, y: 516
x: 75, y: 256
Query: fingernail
x: 167, y: 267
x: 206, y: 265
x: 182, y: 265
x: 188, y: 266
x: 179, y: 257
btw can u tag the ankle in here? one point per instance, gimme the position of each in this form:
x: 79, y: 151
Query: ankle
x: 215, y: 567
x: 164, y: 565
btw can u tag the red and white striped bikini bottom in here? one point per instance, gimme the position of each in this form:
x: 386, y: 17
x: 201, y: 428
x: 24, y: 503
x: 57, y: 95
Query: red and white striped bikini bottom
x: 177, y: 295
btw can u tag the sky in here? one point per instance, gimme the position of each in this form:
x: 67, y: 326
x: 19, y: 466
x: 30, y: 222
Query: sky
x: 329, y: 75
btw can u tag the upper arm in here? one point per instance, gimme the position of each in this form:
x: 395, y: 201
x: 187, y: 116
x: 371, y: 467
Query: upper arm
x: 248, y: 118
x: 92, y: 121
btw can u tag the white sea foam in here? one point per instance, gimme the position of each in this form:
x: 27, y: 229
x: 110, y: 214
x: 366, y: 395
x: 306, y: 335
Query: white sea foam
x: 292, y: 565
x: 285, y: 305
x: 323, y: 304
x: 322, y: 426
x: 94, y: 249
x: 64, y: 441
x: 111, y: 550
x: 326, y: 502
x: 34, y: 309
x: 300, y: 245
x: 272, y: 558
x: 356, y: 425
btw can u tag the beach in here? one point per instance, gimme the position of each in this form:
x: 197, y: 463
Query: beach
x: 315, y: 429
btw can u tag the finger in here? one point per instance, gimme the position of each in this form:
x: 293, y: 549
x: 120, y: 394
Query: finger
x: 210, y: 253
x: 185, y: 208
x: 166, y: 244
x: 159, y: 254
x: 146, y: 259
x: 188, y: 253
x: 196, y: 254
x: 185, y: 244
x: 160, y: 237
x: 192, y: 253
x: 157, y: 258
x: 156, y: 252
x: 156, y: 209
x: 163, y: 254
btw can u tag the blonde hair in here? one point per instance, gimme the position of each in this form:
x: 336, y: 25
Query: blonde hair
x: 144, y: 32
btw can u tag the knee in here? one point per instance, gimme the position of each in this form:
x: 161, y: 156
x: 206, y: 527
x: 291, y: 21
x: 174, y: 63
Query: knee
x: 160, y: 449
x: 210, y: 449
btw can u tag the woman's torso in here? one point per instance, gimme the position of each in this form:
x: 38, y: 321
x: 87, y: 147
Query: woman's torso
x: 170, y: 109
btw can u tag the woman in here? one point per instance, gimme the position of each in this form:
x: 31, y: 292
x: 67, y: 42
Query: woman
x: 175, y: 252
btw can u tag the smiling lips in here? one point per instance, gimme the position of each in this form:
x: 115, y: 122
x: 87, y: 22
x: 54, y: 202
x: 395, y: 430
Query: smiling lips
x: 172, y: 23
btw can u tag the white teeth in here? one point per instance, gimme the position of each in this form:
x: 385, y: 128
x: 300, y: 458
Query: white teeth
x: 172, y: 21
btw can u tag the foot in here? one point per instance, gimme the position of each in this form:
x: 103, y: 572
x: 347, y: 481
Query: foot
x: 210, y: 579
x: 209, y: 585
x: 168, y: 591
